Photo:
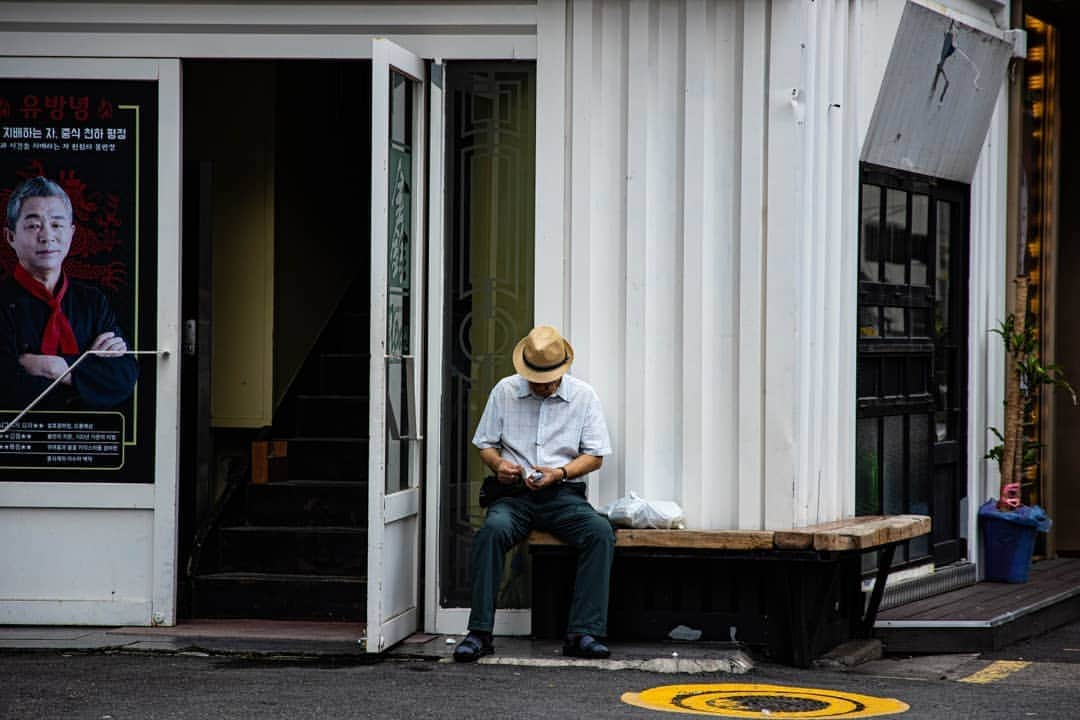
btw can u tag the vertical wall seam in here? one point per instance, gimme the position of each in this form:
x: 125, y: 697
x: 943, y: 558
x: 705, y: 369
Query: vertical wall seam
x: 552, y: 215
x: 578, y: 232
x: 762, y: 275
x: 623, y: 12
x: 804, y: 319
x: 681, y: 240
x: 635, y: 149
x: 740, y: 239
x: 568, y: 186
x: 754, y: 122
x: 820, y: 322
x: 845, y: 295
x: 691, y: 418
x: 829, y: 417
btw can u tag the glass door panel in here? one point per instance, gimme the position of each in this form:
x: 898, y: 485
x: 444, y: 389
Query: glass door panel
x: 490, y: 160
x: 394, y: 520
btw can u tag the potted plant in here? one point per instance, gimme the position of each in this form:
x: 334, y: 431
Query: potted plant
x: 1008, y: 526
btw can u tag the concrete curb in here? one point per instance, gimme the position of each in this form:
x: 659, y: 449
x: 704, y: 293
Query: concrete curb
x: 736, y: 664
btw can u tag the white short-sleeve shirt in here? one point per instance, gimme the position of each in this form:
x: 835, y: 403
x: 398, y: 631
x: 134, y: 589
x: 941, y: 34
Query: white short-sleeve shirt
x: 552, y: 431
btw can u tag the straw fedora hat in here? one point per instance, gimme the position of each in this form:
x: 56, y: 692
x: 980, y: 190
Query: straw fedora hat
x: 543, y: 355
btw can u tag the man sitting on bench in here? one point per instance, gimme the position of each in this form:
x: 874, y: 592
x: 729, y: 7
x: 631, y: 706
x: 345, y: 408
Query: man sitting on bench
x: 541, y: 432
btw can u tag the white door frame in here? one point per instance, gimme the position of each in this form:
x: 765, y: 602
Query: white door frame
x: 138, y: 508
x: 434, y: 342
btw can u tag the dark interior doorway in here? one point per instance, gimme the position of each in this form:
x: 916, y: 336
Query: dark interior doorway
x: 276, y: 292
x: 912, y: 357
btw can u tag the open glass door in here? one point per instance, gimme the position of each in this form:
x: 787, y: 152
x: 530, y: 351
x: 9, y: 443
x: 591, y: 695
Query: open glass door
x: 397, y: 320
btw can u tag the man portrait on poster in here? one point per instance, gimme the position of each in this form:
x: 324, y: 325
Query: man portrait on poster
x: 48, y: 320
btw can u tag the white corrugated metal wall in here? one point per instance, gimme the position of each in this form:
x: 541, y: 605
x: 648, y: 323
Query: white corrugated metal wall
x: 986, y: 357
x: 810, y: 263
x: 716, y: 325
x: 705, y: 215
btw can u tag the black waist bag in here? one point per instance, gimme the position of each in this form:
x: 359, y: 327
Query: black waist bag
x: 491, y: 490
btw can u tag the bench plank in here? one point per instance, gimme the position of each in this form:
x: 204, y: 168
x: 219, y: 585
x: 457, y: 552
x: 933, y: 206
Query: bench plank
x: 858, y: 533
x: 696, y: 539
x: 866, y: 535
x: 803, y: 538
x: 682, y: 539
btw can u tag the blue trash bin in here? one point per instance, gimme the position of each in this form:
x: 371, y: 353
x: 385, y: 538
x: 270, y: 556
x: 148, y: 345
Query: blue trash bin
x: 1009, y: 540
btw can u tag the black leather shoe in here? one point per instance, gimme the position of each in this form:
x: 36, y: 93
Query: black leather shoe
x: 585, y: 646
x: 475, y: 646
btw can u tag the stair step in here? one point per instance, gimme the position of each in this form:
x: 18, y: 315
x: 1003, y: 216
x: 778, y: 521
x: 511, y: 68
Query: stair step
x: 328, y: 458
x: 280, y: 596
x: 332, y: 415
x: 308, y: 503
x: 358, y: 297
x: 348, y: 332
x: 344, y: 373
x: 301, y: 550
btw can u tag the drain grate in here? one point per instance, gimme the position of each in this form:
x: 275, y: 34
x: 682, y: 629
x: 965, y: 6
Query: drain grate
x: 950, y: 577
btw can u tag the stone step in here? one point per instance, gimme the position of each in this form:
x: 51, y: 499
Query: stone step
x: 340, y: 416
x: 280, y: 596
x: 347, y: 332
x: 344, y: 373
x: 299, y: 550
x: 328, y: 458
x: 298, y: 503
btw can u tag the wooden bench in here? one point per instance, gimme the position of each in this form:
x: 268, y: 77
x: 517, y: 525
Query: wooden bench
x: 795, y: 592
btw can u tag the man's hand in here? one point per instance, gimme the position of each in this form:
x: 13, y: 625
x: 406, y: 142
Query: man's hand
x: 46, y: 366
x: 111, y: 343
x: 549, y: 476
x: 508, y: 472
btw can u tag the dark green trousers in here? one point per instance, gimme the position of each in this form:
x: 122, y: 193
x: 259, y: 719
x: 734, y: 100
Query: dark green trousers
x: 567, y: 516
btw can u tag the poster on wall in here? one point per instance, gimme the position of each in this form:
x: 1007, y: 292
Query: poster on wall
x: 78, y: 182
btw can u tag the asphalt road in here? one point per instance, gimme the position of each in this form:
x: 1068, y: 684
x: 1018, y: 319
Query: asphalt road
x: 1036, y: 679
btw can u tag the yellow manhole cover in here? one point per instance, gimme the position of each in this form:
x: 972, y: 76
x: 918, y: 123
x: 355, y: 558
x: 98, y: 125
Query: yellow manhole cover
x: 732, y: 700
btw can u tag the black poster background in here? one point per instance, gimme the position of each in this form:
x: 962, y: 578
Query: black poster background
x: 98, y: 140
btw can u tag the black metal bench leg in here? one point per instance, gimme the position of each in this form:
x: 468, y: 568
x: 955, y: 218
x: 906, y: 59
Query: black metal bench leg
x: 792, y: 587
x: 885, y: 558
x: 822, y: 605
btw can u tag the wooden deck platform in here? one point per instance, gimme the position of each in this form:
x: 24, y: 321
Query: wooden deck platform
x: 985, y: 616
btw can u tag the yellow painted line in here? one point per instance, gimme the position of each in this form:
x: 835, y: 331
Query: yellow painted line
x: 996, y: 671
x: 738, y: 700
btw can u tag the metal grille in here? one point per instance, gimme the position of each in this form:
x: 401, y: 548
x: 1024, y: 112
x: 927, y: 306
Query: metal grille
x: 943, y: 580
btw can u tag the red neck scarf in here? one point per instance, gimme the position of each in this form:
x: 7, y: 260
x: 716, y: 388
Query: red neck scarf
x: 58, y: 335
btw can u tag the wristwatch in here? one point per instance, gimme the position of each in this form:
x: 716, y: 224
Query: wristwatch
x: 564, y: 476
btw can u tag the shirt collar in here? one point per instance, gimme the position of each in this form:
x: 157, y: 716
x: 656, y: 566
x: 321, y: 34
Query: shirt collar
x: 564, y: 392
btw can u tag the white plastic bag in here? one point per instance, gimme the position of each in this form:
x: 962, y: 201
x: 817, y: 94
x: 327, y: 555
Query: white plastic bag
x: 633, y: 511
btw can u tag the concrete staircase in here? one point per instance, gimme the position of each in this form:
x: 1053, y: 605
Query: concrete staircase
x: 296, y: 547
